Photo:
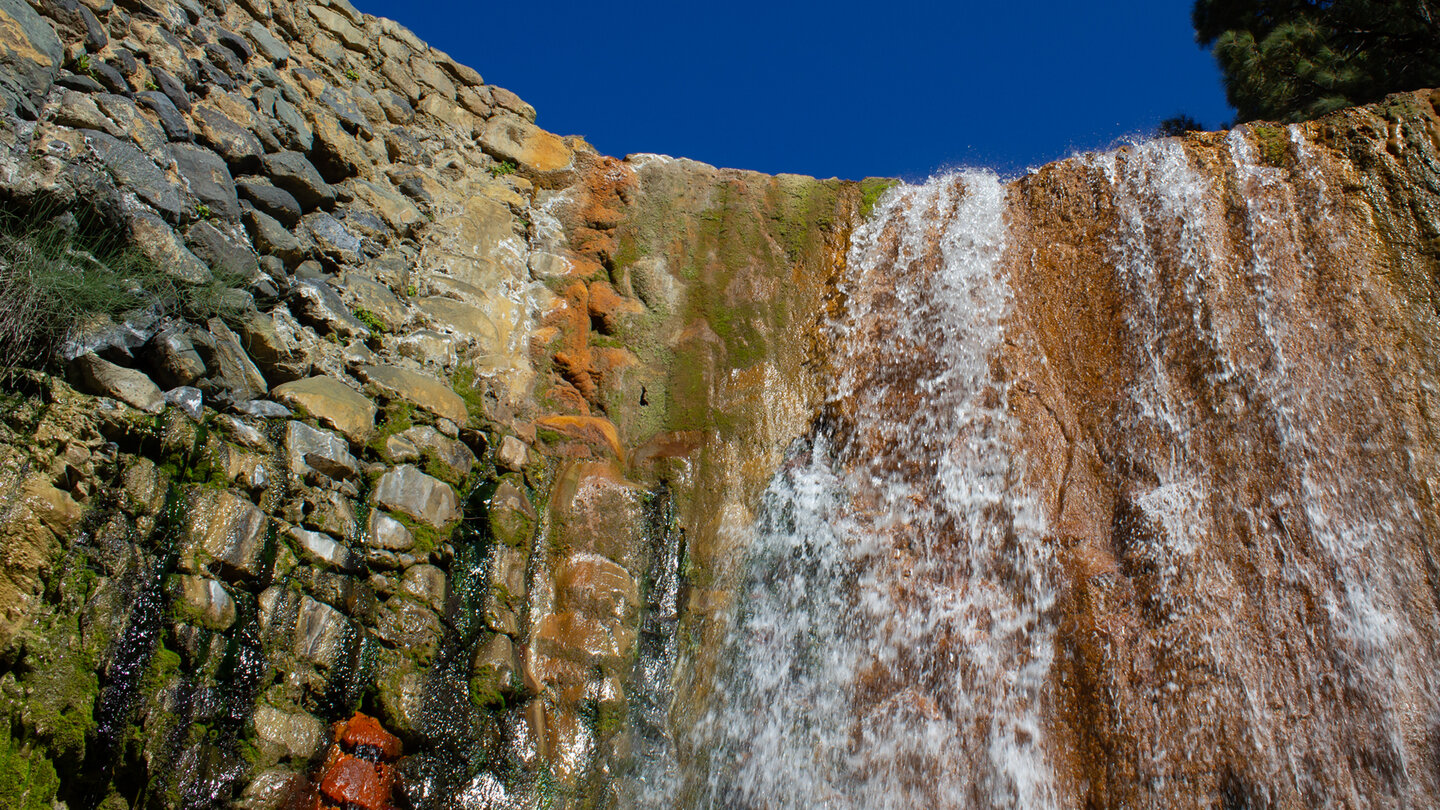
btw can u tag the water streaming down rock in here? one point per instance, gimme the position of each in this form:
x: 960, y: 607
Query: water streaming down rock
x: 893, y: 639
x: 1120, y: 500
x: 1114, y: 485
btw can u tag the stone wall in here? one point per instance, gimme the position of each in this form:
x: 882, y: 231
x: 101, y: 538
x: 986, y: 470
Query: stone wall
x: 475, y: 391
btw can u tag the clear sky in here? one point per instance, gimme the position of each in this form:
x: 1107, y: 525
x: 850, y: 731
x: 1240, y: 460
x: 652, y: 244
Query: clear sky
x: 893, y: 88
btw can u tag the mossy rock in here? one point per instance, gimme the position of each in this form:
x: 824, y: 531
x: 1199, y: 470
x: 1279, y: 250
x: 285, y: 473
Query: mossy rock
x: 512, y: 517
x: 28, y: 780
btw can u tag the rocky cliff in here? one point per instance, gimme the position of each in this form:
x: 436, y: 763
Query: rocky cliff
x: 430, y: 459
x: 471, y: 390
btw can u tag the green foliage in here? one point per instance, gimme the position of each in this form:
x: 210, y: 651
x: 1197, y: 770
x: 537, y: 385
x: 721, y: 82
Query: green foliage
x: 371, y: 321
x: 503, y: 168
x: 203, y: 211
x: 1178, y: 125
x: 352, y: 74
x: 27, y: 778
x: 61, y: 274
x: 1289, y: 60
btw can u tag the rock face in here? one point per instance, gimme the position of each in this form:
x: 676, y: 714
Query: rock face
x: 643, y: 483
x: 1128, y: 387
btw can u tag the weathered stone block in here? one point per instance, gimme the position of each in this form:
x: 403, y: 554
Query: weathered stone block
x: 407, y: 490
x: 223, y: 532
x: 419, y: 389
x: 333, y: 403
x: 308, y: 448
x: 132, y: 387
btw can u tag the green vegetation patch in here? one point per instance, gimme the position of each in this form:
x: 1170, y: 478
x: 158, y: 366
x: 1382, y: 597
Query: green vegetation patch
x: 1272, y: 142
x: 28, y: 780
x: 871, y: 190
x: 60, y: 273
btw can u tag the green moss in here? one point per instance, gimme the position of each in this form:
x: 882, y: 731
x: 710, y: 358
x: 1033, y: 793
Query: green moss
x: 487, y: 692
x: 371, y: 321
x: 871, y: 190
x: 1272, y: 142
x: 398, y: 418
x: 512, y: 527
x: 28, y: 780
x: 427, y: 537
x: 465, y: 383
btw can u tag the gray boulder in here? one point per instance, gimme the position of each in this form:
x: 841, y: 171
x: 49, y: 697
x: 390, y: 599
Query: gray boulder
x: 409, y: 491
x: 209, y: 179
x: 224, y: 533
x: 309, y: 448
x: 134, y: 171
x: 132, y: 387
x: 295, y: 173
x: 30, y: 55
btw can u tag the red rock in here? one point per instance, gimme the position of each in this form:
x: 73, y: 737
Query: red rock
x: 365, y: 731
x: 354, y: 782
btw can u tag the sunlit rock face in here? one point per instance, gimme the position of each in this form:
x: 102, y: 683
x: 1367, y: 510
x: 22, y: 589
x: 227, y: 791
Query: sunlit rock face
x: 1122, y: 496
x: 522, y: 476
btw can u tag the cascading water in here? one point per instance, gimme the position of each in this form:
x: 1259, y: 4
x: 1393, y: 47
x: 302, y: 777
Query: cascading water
x: 892, y: 641
x: 1248, y: 617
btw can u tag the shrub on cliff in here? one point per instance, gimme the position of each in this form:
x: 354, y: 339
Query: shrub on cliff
x: 1289, y: 60
x: 62, y: 273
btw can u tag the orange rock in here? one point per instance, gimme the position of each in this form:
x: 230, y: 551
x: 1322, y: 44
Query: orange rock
x: 587, y: 428
x: 365, y: 732
x: 354, y: 782
x: 610, y: 307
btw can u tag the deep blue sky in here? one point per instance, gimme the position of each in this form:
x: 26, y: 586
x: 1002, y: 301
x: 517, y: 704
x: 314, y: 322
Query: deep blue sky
x: 889, y: 88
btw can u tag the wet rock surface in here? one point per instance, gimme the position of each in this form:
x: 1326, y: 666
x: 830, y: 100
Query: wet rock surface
x: 457, y: 432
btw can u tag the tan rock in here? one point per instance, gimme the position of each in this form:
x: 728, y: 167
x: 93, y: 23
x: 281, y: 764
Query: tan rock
x: 600, y: 587
x: 430, y: 75
x: 393, y: 207
x: 339, y: 148
x: 203, y: 601
x: 298, y: 734
x: 512, y: 454
x: 477, y: 245
x: 497, y: 658
x: 385, y: 532
x: 101, y: 377
x: 341, y: 27
x: 428, y: 348
x: 465, y: 319
x: 512, y: 138
x: 308, y: 448
x: 224, y: 533
x: 584, y: 639
x: 332, y: 402
x: 427, y: 585
x: 447, y: 112
x: 509, y: 101
x: 419, y: 389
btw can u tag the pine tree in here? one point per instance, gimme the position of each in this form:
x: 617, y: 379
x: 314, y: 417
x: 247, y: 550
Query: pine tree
x: 1290, y: 60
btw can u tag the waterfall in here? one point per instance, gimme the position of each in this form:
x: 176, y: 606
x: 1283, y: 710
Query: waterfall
x: 1251, y: 618
x: 892, y: 640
